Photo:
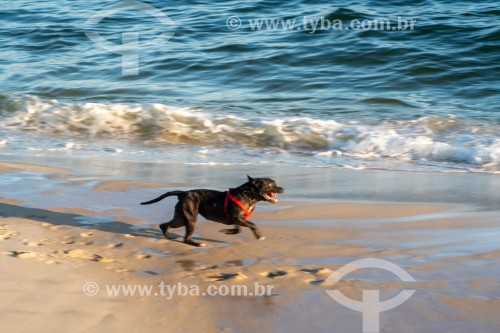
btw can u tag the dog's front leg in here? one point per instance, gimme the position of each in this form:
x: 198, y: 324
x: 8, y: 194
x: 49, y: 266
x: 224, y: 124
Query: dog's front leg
x: 251, y: 225
x: 234, y: 231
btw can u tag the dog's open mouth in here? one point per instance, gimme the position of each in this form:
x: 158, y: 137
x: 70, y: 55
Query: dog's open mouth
x: 271, y: 197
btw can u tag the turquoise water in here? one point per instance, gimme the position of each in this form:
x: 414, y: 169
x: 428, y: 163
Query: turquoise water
x: 215, y: 92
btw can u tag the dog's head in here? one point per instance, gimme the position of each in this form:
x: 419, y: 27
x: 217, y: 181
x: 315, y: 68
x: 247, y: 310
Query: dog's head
x: 263, y: 189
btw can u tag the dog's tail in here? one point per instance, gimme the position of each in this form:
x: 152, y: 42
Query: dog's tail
x: 163, y: 196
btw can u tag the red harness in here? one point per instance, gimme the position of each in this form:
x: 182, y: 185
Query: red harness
x: 248, y: 212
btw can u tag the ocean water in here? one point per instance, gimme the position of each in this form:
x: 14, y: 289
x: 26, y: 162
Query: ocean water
x: 198, y: 83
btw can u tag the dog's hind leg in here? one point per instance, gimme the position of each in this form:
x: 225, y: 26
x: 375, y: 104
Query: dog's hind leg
x: 176, y: 222
x: 189, y: 233
x: 164, y: 228
x: 190, y: 213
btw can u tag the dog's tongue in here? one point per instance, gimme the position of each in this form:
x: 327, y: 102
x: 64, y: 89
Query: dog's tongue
x: 274, y: 197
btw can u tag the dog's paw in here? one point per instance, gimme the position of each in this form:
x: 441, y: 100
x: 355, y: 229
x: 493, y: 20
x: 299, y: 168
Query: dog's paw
x: 262, y: 237
x: 230, y: 231
x: 193, y: 243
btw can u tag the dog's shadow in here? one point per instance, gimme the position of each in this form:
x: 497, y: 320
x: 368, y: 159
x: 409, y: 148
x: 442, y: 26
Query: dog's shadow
x: 75, y: 220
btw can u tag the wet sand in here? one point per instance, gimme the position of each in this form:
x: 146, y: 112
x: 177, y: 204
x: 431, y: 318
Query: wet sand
x: 61, y: 228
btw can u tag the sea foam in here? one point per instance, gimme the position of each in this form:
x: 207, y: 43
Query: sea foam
x: 446, y: 140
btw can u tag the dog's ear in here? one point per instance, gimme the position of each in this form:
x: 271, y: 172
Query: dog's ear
x: 250, y: 179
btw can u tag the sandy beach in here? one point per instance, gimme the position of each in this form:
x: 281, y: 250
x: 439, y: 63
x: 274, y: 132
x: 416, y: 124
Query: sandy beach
x: 70, y: 232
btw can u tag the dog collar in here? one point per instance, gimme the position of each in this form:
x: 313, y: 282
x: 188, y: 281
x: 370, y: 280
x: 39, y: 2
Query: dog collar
x: 229, y: 196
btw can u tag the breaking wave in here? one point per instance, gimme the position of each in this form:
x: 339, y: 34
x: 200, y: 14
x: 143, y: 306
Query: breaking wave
x: 447, y: 140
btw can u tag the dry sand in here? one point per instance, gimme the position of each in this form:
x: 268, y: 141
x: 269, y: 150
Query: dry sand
x: 49, y: 255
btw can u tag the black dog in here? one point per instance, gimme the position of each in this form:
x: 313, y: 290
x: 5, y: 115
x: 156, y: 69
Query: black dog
x: 232, y: 207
